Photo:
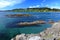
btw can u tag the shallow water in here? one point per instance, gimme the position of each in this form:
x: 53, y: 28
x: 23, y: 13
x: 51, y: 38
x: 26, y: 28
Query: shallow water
x: 8, y: 27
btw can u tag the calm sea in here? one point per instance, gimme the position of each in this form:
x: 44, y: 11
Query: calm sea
x: 9, y: 29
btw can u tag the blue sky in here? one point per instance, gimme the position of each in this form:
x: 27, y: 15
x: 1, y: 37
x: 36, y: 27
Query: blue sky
x: 13, y: 4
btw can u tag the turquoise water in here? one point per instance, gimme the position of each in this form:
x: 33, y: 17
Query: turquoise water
x: 9, y: 29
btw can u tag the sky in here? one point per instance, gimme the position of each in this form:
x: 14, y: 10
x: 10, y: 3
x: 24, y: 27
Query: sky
x: 13, y: 4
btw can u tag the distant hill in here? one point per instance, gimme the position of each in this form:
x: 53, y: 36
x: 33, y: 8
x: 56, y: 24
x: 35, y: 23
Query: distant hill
x: 43, y: 9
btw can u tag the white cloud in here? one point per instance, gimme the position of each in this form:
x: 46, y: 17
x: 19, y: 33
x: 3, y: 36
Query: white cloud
x: 55, y: 7
x: 34, y: 6
x: 5, y: 3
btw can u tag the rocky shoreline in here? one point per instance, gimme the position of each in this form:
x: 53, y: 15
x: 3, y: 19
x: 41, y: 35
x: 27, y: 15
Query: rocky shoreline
x: 52, y: 33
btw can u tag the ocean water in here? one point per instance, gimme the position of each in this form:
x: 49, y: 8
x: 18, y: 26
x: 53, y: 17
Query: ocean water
x: 9, y: 29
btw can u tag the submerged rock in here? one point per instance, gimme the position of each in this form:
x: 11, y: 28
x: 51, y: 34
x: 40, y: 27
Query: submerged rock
x: 18, y: 15
x: 51, y: 22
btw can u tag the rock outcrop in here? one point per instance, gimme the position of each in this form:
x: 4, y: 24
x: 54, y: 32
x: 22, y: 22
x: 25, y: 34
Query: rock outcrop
x: 52, y: 33
x: 18, y: 15
x: 27, y: 37
x: 31, y: 23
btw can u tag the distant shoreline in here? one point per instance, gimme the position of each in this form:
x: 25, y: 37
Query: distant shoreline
x: 43, y: 9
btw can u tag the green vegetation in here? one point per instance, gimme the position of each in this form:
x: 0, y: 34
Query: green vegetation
x: 43, y: 9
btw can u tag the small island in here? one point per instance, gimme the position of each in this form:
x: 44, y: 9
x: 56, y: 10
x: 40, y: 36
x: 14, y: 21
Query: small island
x: 35, y: 23
x: 31, y: 23
x: 18, y: 15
